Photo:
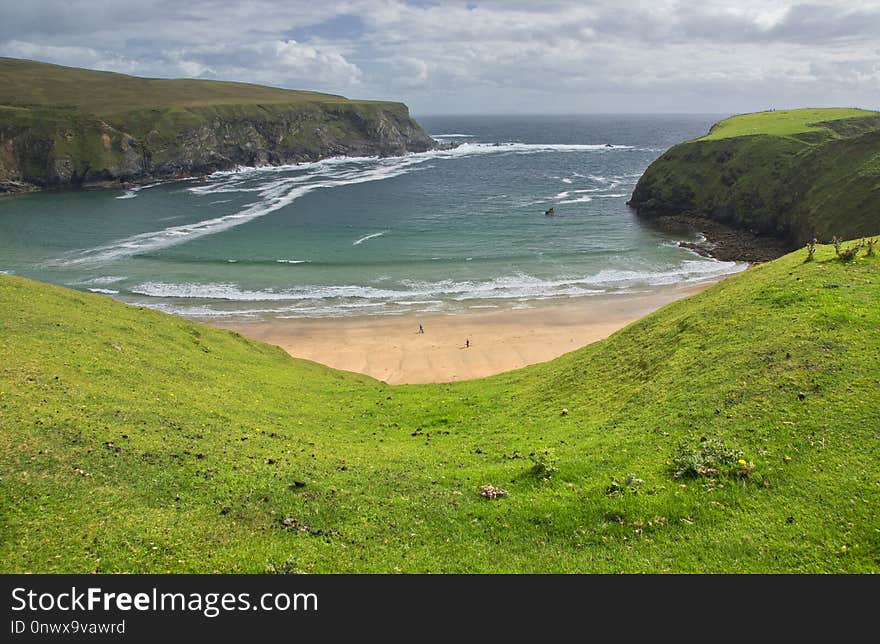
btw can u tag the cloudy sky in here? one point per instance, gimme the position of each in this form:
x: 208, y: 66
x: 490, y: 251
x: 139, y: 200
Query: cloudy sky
x: 492, y: 56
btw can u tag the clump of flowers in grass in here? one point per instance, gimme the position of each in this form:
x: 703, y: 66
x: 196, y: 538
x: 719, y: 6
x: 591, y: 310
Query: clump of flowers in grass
x: 811, y: 250
x: 491, y: 492
x: 710, y: 458
x: 847, y: 254
x: 870, y: 243
x: 545, y: 463
x: 288, y: 567
x: 743, y: 469
x: 629, y: 484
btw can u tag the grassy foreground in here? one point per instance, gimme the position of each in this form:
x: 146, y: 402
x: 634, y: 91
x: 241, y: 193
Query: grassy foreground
x: 137, y: 441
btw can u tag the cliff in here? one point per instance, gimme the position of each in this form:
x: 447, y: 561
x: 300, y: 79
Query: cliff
x: 790, y: 175
x: 63, y: 127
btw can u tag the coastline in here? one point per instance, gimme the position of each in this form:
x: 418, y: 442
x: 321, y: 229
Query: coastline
x: 391, y: 349
x: 16, y: 187
x: 722, y: 242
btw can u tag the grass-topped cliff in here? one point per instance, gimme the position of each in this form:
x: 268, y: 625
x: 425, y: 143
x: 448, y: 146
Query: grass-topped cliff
x: 791, y: 174
x: 68, y: 127
x: 734, y: 431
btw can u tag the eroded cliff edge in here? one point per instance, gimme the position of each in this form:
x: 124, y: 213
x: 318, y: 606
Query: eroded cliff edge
x: 756, y: 173
x: 68, y: 128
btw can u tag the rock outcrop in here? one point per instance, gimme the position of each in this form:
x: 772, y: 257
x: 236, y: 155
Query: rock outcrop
x: 142, y: 147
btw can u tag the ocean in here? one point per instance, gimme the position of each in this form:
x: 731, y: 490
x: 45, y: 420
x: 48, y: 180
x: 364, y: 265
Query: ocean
x: 442, y: 231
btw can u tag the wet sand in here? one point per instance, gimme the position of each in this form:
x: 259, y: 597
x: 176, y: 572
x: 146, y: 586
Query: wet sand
x: 390, y: 347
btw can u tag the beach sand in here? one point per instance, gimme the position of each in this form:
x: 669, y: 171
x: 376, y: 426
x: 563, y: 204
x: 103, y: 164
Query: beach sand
x: 390, y: 348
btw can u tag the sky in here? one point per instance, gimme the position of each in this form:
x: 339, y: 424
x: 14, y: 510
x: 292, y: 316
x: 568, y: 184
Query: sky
x: 493, y: 56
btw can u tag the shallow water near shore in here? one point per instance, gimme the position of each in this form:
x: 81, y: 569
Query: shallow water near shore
x: 443, y: 231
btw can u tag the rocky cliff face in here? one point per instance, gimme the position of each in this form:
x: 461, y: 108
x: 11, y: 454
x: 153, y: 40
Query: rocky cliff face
x: 791, y: 188
x: 45, y: 148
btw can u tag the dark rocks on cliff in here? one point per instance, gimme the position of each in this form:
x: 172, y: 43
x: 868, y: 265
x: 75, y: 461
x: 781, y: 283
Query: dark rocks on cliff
x: 161, y: 144
x: 16, y: 187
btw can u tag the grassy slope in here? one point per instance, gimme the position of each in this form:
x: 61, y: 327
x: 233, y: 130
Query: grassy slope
x: 205, y: 420
x: 29, y: 83
x: 781, y: 123
x: 790, y: 173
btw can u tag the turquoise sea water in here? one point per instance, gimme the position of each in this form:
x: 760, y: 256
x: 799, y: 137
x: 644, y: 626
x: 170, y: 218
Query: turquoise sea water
x: 440, y: 231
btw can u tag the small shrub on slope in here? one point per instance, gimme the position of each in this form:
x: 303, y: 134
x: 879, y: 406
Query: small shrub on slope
x: 546, y: 464
x: 710, y: 458
x: 847, y: 254
x: 811, y: 250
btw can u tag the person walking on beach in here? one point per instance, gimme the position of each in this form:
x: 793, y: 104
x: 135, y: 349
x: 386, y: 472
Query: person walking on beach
x: 421, y: 328
x: 467, y: 343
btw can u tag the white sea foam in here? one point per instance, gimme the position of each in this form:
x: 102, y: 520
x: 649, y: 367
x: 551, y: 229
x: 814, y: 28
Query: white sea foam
x: 566, y: 180
x: 213, y: 300
x: 360, y: 241
x: 292, y: 261
x: 415, y: 292
x: 104, y: 279
x: 524, y: 148
x: 131, y: 193
x: 584, y: 199
x: 232, y: 292
x: 418, y: 302
x: 276, y: 194
x: 104, y: 291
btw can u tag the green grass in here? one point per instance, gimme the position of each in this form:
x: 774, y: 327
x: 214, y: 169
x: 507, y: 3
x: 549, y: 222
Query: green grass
x: 28, y: 83
x: 785, y: 123
x: 137, y: 441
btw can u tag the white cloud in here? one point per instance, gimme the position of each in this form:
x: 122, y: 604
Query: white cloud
x: 499, y: 55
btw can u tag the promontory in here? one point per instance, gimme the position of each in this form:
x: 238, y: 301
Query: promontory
x: 64, y: 127
x: 788, y: 175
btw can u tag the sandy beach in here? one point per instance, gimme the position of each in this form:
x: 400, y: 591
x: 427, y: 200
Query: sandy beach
x: 390, y: 348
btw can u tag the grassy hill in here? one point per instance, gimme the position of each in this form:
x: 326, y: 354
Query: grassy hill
x: 784, y: 123
x: 68, y: 127
x: 29, y: 84
x: 792, y: 174
x: 137, y: 441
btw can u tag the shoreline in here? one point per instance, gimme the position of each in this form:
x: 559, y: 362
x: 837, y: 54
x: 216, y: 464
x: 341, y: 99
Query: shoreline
x: 18, y: 187
x: 391, y: 348
x: 722, y: 242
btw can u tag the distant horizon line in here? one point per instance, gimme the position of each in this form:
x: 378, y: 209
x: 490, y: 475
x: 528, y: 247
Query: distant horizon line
x: 564, y: 114
x: 416, y: 114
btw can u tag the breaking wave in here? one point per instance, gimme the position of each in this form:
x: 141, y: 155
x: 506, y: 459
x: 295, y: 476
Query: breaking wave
x: 360, y: 241
x: 319, y: 300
